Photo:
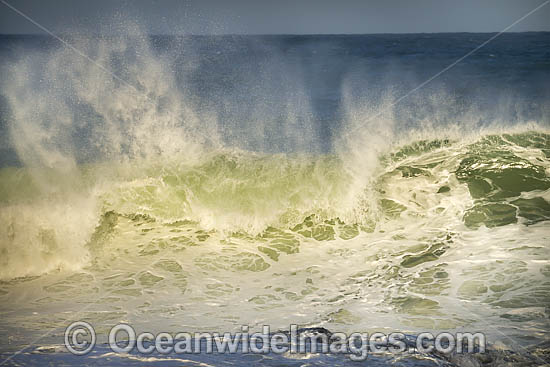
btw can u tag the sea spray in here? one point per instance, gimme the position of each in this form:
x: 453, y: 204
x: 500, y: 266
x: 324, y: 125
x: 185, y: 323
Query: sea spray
x: 66, y: 109
x: 428, y: 213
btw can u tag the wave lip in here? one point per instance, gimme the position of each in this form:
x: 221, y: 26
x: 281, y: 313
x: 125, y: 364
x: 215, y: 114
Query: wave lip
x: 495, y: 181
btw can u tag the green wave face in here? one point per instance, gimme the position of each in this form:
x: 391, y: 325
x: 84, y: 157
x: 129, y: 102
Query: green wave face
x: 444, y: 234
x: 497, y: 177
x: 235, y: 191
x: 506, y: 175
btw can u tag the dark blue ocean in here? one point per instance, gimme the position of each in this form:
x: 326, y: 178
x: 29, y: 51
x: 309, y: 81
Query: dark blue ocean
x: 250, y: 80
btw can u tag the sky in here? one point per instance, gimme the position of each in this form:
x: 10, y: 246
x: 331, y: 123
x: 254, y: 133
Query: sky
x: 274, y: 16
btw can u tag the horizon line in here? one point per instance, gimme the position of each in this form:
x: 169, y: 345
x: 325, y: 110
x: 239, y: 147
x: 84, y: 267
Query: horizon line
x: 267, y: 34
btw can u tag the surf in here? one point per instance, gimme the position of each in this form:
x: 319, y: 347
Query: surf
x: 144, y: 205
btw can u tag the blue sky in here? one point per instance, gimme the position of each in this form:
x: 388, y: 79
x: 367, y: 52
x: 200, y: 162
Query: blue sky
x: 277, y: 16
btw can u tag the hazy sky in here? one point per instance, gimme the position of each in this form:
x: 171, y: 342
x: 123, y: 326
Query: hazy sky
x: 276, y: 16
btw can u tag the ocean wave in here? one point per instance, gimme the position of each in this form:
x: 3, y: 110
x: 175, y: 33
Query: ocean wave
x: 497, y: 180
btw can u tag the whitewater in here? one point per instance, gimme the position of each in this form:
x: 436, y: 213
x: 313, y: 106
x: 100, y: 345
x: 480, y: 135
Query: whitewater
x: 128, y: 196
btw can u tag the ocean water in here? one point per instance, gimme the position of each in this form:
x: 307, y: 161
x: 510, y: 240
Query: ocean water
x: 203, y: 183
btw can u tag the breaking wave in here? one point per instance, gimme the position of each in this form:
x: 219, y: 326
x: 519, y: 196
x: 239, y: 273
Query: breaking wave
x: 128, y: 193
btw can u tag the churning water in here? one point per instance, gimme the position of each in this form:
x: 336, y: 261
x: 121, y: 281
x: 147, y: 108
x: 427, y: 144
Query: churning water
x: 203, y: 183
